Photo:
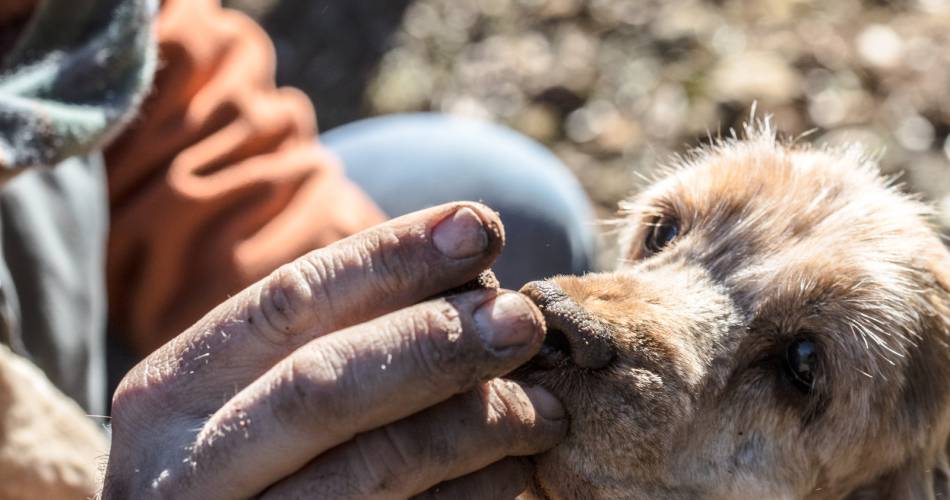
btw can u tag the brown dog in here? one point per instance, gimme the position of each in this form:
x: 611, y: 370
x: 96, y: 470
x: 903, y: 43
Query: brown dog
x: 778, y: 329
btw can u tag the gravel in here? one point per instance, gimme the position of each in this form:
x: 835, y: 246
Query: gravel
x: 616, y: 87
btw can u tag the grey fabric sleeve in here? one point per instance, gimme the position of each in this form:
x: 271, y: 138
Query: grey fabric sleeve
x: 53, y: 230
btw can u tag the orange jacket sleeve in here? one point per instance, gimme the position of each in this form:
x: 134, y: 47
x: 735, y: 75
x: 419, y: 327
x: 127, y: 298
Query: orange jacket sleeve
x: 220, y: 179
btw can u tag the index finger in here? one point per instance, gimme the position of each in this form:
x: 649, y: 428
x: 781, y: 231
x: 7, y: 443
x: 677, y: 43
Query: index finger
x: 383, y: 269
x: 360, y: 379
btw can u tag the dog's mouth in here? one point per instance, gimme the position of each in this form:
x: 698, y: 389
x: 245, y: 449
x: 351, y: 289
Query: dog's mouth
x: 575, y: 347
x: 577, y: 357
x: 551, y: 363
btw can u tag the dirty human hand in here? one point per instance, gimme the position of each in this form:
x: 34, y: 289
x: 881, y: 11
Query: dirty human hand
x: 335, y: 377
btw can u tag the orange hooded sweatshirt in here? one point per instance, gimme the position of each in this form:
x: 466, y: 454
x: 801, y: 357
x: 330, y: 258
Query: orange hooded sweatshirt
x: 218, y: 181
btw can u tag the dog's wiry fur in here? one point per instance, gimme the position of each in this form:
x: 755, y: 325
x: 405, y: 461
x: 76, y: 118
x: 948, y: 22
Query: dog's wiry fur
x: 777, y: 241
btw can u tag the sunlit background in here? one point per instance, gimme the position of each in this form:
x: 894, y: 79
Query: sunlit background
x: 615, y: 87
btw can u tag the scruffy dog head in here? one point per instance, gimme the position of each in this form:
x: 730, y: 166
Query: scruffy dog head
x: 777, y: 329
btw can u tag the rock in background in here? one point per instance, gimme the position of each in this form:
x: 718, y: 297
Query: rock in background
x: 615, y: 87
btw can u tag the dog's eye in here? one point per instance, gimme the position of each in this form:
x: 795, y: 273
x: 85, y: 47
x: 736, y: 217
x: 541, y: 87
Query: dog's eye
x: 802, y: 359
x: 662, y: 233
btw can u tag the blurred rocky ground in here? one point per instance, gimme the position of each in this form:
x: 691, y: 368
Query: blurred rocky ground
x: 615, y: 87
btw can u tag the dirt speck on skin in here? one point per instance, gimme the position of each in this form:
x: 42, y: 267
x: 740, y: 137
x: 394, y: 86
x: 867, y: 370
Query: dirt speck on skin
x: 615, y: 87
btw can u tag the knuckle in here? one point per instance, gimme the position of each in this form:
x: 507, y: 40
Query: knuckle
x: 125, y: 403
x: 304, y: 392
x: 396, y: 264
x: 437, y: 346
x: 140, y: 441
x: 289, y: 291
x: 507, y: 410
x: 390, y: 460
x: 141, y: 390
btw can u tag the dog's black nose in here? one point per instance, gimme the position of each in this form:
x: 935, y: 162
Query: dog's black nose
x: 572, y: 331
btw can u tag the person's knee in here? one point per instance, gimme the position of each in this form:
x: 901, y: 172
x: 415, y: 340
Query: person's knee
x: 408, y: 162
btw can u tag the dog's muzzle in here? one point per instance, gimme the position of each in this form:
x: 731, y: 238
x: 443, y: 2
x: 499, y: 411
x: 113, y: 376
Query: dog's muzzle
x: 573, y: 333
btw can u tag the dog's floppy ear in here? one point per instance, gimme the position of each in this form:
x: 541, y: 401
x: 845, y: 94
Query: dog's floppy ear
x: 925, y: 477
x: 939, y: 266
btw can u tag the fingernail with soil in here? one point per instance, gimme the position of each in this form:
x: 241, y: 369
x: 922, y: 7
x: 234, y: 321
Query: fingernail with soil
x: 461, y: 235
x: 507, y: 321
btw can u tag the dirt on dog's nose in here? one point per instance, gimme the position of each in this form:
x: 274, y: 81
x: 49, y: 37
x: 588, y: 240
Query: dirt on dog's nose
x: 572, y: 332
